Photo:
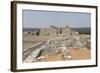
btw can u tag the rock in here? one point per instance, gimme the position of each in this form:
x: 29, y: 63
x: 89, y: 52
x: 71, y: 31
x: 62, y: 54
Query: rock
x: 61, y: 45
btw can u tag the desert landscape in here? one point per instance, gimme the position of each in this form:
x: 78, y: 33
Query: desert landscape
x: 55, y: 44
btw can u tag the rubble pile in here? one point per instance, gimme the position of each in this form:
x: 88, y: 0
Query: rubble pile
x: 63, y: 44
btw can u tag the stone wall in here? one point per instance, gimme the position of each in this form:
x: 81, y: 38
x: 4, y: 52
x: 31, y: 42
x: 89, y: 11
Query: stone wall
x: 54, y: 31
x: 48, y: 32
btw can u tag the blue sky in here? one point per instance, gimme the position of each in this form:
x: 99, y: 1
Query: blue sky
x: 40, y: 19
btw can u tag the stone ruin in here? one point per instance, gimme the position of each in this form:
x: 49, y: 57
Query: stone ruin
x: 53, y: 31
x: 63, y: 44
x: 70, y: 42
x: 68, y: 39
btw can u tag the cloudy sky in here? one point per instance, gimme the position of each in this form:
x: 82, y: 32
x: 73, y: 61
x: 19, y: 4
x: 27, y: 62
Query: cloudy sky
x: 39, y: 19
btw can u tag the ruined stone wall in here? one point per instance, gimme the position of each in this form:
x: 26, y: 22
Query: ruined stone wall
x: 53, y: 31
x: 66, y: 31
x: 48, y: 32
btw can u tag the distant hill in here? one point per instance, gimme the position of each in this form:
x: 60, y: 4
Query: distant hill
x: 30, y: 29
x: 82, y: 30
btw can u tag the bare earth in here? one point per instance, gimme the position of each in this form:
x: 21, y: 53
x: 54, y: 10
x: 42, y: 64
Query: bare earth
x: 76, y: 54
x: 80, y: 54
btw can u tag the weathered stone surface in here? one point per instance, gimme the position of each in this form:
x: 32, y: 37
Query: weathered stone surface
x: 53, y: 31
x: 61, y: 45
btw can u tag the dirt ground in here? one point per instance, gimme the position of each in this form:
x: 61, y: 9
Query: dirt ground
x: 76, y: 54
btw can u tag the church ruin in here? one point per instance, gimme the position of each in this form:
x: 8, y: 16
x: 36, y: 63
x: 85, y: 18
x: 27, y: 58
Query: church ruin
x: 54, y: 31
